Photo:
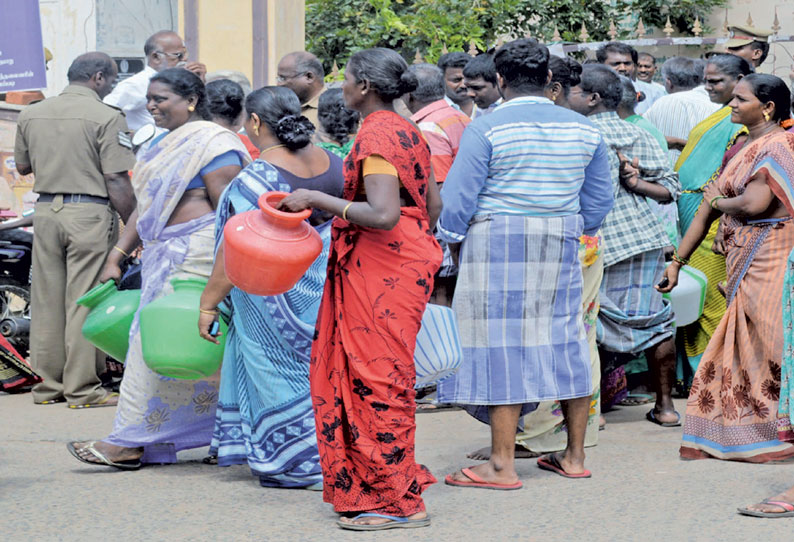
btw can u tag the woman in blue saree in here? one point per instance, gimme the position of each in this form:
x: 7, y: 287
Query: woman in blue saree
x: 264, y: 416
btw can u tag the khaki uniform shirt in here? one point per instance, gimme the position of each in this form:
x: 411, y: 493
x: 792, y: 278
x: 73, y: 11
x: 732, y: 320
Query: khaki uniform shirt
x: 310, y: 111
x: 71, y: 140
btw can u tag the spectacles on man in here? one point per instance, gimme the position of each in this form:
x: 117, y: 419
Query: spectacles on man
x: 284, y: 78
x: 180, y: 56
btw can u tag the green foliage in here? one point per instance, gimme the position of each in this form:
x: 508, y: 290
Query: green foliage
x: 337, y: 28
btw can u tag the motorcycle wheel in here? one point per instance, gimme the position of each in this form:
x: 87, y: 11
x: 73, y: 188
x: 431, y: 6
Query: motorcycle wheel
x: 15, y: 303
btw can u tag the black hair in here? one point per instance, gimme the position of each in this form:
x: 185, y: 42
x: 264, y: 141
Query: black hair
x: 430, y: 82
x: 604, y: 81
x: 483, y: 66
x: 85, y: 66
x: 280, y: 110
x: 524, y: 64
x: 337, y: 120
x: 456, y: 59
x: 565, y: 71
x: 731, y: 65
x: 186, y: 84
x: 386, y: 71
x: 683, y: 72
x: 760, y: 46
x: 225, y: 99
x: 770, y: 88
x: 649, y: 55
x: 615, y: 47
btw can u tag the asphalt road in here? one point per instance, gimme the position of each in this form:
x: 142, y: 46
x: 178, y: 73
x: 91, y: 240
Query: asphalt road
x: 640, y: 491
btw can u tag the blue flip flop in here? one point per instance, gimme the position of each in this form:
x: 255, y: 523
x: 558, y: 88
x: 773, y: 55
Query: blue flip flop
x: 651, y: 417
x: 395, y: 522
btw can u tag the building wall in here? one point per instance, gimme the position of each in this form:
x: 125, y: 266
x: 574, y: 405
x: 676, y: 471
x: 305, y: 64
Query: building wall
x: 68, y: 29
x: 229, y: 37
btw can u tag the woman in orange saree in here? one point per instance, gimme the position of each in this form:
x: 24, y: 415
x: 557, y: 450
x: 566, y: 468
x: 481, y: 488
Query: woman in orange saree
x: 733, y: 402
x: 380, y: 274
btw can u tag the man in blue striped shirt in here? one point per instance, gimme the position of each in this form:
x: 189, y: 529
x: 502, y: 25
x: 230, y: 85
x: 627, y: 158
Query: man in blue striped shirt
x: 529, y: 179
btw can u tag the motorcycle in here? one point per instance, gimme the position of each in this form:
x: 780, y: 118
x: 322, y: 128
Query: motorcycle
x: 16, y: 250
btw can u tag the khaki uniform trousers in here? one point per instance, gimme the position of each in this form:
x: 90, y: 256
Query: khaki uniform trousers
x: 71, y: 242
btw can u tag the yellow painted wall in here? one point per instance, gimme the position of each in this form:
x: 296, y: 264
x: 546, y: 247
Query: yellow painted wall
x: 226, y: 35
x: 288, y: 33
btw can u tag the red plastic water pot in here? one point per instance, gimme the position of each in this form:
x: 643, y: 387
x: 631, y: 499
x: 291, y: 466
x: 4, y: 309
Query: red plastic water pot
x: 267, y: 251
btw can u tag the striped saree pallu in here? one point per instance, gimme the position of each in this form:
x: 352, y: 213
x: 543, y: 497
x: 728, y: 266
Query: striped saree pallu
x: 519, y: 308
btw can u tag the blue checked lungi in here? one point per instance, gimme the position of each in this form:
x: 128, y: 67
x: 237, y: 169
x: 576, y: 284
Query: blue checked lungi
x: 519, y: 308
x: 634, y: 316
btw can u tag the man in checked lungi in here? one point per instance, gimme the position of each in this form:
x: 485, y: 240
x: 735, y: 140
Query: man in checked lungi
x: 634, y: 318
x: 529, y: 179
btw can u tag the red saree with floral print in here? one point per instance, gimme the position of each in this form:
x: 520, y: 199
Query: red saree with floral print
x: 733, y: 402
x: 362, y: 369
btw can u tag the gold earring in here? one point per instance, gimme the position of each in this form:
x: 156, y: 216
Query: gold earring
x: 766, y: 116
x: 256, y: 131
x: 191, y: 108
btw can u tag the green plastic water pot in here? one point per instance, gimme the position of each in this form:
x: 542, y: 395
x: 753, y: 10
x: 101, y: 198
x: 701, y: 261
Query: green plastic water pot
x: 170, y: 338
x: 111, y: 313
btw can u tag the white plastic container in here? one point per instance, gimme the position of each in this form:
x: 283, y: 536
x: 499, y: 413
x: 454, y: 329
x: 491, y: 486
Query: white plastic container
x: 438, y: 351
x: 689, y: 295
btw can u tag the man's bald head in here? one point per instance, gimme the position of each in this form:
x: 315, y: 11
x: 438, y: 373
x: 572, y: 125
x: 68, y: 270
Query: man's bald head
x: 164, y: 49
x: 302, y: 72
x: 94, y: 70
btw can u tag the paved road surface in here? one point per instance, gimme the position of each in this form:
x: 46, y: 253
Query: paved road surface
x: 640, y: 491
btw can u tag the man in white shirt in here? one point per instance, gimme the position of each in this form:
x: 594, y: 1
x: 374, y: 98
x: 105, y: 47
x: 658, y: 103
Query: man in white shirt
x: 164, y: 49
x: 686, y: 104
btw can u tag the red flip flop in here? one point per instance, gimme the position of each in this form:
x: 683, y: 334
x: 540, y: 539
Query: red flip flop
x: 478, y: 482
x: 552, y: 463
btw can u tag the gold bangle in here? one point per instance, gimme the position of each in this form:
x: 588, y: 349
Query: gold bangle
x: 213, y: 312
x: 115, y: 247
x: 344, y: 211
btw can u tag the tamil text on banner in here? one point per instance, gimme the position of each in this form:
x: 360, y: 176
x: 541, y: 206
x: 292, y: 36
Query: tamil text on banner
x: 21, y: 50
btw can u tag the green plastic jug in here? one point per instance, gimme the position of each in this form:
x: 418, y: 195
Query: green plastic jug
x: 108, y: 324
x: 170, y: 339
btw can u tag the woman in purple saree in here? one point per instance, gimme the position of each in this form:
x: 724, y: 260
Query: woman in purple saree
x: 178, y: 180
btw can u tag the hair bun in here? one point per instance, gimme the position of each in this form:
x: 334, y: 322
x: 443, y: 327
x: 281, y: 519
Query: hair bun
x: 408, y: 82
x: 294, y: 131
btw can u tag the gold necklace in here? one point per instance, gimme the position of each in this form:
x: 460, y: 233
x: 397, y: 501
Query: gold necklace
x: 263, y: 151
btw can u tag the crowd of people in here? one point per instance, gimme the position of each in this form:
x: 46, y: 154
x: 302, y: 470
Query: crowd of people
x: 550, y: 204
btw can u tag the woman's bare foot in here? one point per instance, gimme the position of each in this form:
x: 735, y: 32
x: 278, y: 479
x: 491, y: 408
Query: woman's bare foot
x: 376, y: 520
x: 768, y: 508
x: 602, y: 422
x: 113, y: 453
x: 484, y: 454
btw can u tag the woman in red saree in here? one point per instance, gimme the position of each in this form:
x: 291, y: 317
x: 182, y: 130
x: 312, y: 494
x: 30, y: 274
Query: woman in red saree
x: 380, y: 275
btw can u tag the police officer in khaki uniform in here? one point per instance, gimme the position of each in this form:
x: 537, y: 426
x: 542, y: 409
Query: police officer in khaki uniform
x: 79, y: 151
x: 748, y: 42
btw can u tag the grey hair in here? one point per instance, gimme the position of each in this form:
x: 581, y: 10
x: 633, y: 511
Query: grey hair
x: 431, y: 83
x: 306, y: 62
x: 683, y: 72
x: 629, y: 98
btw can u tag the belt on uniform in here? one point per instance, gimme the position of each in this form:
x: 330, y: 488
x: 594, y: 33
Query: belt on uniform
x: 74, y: 198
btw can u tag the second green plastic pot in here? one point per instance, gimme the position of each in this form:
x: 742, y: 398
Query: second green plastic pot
x: 170, y: 339
x: 108, y: 324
